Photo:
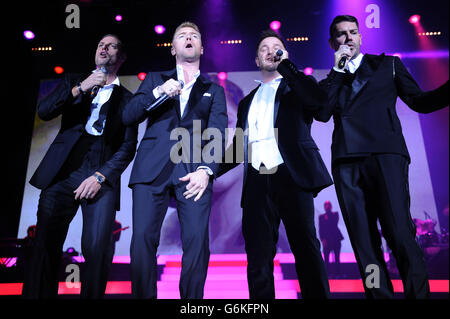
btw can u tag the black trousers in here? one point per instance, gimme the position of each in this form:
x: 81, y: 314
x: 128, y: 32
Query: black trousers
x: 270, y: 198
x: 376, y: 188
x: 56, y: 209
x: 150, y: 204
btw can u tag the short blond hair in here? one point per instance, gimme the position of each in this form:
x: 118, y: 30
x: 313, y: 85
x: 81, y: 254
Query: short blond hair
x: 187, y: 24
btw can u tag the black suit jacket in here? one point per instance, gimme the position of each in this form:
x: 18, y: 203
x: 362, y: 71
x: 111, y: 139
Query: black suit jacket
x: 293, y: 116
x: 206, y: 105
x: 118, y: 142
x: 365, y: 118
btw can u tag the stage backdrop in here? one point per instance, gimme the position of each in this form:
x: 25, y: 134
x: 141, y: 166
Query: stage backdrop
x: 225, y: 221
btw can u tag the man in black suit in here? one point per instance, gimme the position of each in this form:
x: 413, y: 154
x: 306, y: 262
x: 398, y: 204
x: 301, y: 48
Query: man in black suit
x: 283, y: 171
x: 166, y: 166
x: 370, y: 159
x: 330, y: 235
x: 82, y: 167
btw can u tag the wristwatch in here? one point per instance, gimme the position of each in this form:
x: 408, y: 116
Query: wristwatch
x: 100, y: 179
x: 80, y: 89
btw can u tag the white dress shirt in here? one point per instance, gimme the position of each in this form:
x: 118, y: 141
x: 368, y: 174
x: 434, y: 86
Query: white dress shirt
x: 101, y: 98
x: 261, y: 126
x: 352, y: 65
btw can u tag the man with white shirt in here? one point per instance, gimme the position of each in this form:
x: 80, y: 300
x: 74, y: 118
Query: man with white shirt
x: 166, y: 167
x: 82, y: 167
x: 370, y: 158
x: 283, y: 171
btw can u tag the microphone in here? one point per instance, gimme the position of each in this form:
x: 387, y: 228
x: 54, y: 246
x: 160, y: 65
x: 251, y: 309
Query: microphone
x: 161, y: 99
x: 278, y: 55
x: 341, y: 62
x: 97, y: 87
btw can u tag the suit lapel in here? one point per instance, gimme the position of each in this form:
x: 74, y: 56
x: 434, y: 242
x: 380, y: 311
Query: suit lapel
x: 365, y: 72
x: 175, y: 101
x: 200, y: 87
x: 246, y: 108
x: 280, y: 91
x: 111, y: 109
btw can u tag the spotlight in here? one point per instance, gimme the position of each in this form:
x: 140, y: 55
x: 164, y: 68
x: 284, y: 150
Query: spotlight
x: 275, y: 25
x: 58, y: 70
x: 414, y: 19
x: 142, y: 76
x: 29, y: 35
x: 308, y: 71
x: 160, y: 29
x: 118, y: 18
x: 222, y: 76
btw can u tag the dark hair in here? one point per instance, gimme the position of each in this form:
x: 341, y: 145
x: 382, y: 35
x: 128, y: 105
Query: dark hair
x: 122, y: 48
x: 269, y: 34
x: 339, y: 19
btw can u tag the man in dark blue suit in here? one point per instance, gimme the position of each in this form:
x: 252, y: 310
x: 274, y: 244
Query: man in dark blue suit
x: 282, y: 172
x: 370, y: 159
x: 82, y: 167
x: 174, y: 159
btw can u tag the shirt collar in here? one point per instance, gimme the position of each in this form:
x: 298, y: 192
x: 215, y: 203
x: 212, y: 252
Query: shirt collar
x: 354, y: 64
x: 276, y: 80
x: 180, y: 74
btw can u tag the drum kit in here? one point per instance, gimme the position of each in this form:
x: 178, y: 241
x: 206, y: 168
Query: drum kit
x: 429, y: 240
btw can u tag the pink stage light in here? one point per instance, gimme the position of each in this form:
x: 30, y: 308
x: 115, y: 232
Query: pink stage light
x: 160, y: 29
x: 118, y: 18
x: 29, y: 35
x: 308, y: 71
x: 142, y: 76
x: 275, y: 25
x: 58, y: 70
x: 222, y: 76
x: 414, y: 19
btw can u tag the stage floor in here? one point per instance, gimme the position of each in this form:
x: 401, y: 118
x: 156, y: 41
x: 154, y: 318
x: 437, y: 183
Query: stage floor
x: 227, y: 279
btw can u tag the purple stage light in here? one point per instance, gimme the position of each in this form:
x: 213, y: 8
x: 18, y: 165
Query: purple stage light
x: 160, y: 29
x: 28, y: 34
x: 222, y: 76
x: 118, y: 18
x: 275, y: 25
x: 308, y: 71
x: 414, y: 19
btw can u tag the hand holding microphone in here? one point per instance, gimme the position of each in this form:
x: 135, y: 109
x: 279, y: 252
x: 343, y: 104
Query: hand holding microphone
x: 97, y: 87
x: 342, y: 56
x: 279, y: 55
x: 94, y: 82
x: 170, y: 88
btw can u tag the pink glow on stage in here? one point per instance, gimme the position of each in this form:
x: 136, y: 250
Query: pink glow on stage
x: 29, y: 35
x: 124, y: 287
x: 414, y: 19
x: 308, y: 71
x: 222, y: 76
x: 118, y: 18
x: 160, y: 29
x: 275, y: 25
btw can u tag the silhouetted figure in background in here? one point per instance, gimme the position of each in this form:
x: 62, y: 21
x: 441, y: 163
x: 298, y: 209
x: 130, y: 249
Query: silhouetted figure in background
x: 330, y: 236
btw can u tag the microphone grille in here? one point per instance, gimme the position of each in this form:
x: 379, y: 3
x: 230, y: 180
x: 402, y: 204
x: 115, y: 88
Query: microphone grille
x: 280, y: 52
x: 181, y: 83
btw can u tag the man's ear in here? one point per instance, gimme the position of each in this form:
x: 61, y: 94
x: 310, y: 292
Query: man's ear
x: 330, y: 43
x: 172, y: 50
x: 257, y: 61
